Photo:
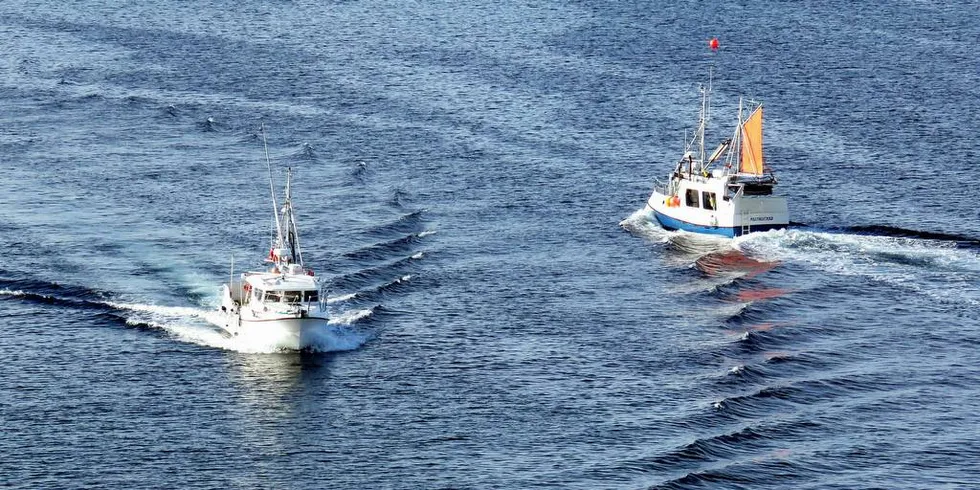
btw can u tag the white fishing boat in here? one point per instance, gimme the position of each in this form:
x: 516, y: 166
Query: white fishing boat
x: 727, y: 193
x: 284, y: 305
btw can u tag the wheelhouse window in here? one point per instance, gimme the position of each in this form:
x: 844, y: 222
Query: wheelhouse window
x: 292, y: 296
x: 691, y: 198
x: 708, y: 200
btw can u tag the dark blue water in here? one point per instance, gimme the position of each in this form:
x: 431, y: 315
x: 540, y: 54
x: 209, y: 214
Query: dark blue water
x: 467, y: 181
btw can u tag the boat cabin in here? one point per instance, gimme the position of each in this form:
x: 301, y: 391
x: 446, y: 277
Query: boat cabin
x: 290, y: 297
x: 267, y: 287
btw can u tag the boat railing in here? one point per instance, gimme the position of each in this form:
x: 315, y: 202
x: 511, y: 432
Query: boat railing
x: 661, y: 187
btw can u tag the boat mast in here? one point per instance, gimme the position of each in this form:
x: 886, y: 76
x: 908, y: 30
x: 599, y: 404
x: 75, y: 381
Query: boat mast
x: 292, y: 233
x: 701, y: 125
x: 737, y: 147
x: 705, y: 114
x: 272, y: 188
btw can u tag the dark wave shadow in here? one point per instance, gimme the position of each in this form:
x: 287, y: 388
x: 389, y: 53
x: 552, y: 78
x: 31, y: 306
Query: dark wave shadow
x: 962, y: 241
x: 409, y: 223
x: 383, y: 250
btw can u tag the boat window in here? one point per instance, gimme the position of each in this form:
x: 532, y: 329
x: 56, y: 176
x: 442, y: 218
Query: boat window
x: 691, y: 198
x: 292, y: 296
x: 272, y: 297
x: 257, y: 294
x: 310, y: 296
x: 708, y: 200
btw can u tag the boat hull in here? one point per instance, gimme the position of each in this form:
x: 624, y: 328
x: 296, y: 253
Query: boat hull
x: 674, y: 224
x: 287, y: 333
x: 726, y: 217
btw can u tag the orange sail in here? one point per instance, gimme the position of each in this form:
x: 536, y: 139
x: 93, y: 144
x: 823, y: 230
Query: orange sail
x: 751, y: 161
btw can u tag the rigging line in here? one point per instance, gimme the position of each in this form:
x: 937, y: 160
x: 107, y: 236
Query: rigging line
x: 272, y: 187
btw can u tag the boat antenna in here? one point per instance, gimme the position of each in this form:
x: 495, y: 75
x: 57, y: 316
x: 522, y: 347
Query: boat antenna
x: 706, y: 99
x: 272, y: 187
x: 231, y: 275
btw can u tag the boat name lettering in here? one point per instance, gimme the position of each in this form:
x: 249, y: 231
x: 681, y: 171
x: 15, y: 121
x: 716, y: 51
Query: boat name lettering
x: 761, y: 218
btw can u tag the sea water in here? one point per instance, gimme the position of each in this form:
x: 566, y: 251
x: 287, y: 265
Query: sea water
x: 469, y: 179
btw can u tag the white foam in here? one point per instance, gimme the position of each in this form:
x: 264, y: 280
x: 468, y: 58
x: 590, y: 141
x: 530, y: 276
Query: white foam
x: 698, y: 243
x: 426, y: 233
x: 339, y: 299
x: 640, y: 225
x: 349, y: 317
x: 12, y: 292
x: 338, y: 339
x: 915, y: 264
x: 168, y: 311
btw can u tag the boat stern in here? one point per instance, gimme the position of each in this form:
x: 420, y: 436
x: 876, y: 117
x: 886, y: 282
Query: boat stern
x: 760, y: 214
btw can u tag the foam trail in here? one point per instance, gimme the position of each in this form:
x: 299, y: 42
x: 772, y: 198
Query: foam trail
x: 349, y: 317
x: 938, y: 269
x: 884, y: 230
x: 169, y: 311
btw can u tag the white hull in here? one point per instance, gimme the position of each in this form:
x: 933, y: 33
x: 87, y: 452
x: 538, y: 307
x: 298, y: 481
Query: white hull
x: 290, y: 333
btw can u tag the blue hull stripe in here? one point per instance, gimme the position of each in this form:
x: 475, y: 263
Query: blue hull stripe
x: 675, y: 224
